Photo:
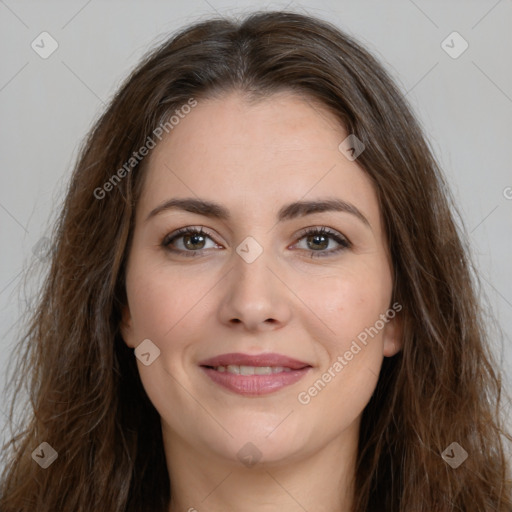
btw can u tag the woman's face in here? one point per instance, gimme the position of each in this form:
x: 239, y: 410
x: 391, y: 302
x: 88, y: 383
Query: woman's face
x: 253, y: 283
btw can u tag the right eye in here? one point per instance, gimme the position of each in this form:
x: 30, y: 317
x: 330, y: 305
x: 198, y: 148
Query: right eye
x: 191, y: 239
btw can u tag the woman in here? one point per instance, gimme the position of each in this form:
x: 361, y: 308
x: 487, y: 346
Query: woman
x: 258, y: 297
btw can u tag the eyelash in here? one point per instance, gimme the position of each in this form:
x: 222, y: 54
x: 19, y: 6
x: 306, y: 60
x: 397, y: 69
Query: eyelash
x: 340, y: 239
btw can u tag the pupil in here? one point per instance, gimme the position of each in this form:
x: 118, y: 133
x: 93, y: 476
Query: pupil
x: 318, y: 237
x: 193, y: 237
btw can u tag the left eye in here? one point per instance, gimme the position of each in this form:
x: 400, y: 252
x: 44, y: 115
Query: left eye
x: 320, y: 239
x: 193, y: 241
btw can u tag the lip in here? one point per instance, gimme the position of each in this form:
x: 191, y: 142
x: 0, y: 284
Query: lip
x: 255, y: 385
x: 268, y: 359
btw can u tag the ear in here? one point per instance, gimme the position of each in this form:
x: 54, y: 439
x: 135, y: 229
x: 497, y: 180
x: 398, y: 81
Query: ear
x: 126, y: 327
x: 393, y: 336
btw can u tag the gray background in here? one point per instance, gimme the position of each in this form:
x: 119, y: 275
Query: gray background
x: 48, y: 105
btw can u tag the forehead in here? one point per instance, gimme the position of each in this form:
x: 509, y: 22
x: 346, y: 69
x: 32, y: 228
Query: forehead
x: 254, y: 157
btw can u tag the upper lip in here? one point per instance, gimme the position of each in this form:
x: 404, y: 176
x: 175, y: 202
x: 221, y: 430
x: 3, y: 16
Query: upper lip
x: 268, y: 359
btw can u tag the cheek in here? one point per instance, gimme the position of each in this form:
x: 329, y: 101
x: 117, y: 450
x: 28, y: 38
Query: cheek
x: 162, y: 306
x: 160, y: 300
x: 350, y: 304
x: 348, y: 301
x: 350, y: 364
x: 149, y: 306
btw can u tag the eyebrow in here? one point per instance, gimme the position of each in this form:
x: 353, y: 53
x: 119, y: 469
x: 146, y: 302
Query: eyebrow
x: 287, y: 212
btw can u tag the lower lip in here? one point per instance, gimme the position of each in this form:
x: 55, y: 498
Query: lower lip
x: 255, y: 384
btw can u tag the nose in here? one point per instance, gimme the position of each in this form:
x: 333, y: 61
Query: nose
x: 255, y: 297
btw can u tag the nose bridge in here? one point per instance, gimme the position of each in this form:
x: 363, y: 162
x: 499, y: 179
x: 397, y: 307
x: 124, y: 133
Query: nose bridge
x: 251, y: 262
x: 253, y: 295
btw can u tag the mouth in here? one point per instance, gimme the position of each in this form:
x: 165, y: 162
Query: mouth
x: 250, y: 370
x: 254, y: 375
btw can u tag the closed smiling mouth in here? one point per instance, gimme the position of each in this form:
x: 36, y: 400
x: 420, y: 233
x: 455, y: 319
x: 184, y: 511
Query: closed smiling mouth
x: 254, y: 375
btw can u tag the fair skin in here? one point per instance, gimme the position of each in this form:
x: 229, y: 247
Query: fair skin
x: 253, y: 159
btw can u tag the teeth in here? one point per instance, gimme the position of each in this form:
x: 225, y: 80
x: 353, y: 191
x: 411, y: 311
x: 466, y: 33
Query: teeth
x: 252, y: 370
x: 262, y: 370
x: 247, y: 370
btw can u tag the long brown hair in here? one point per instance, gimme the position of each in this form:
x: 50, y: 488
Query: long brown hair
x: 86, y: 398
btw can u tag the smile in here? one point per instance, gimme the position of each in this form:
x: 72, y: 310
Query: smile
x: 252, y: 370
x: 254, y: 375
